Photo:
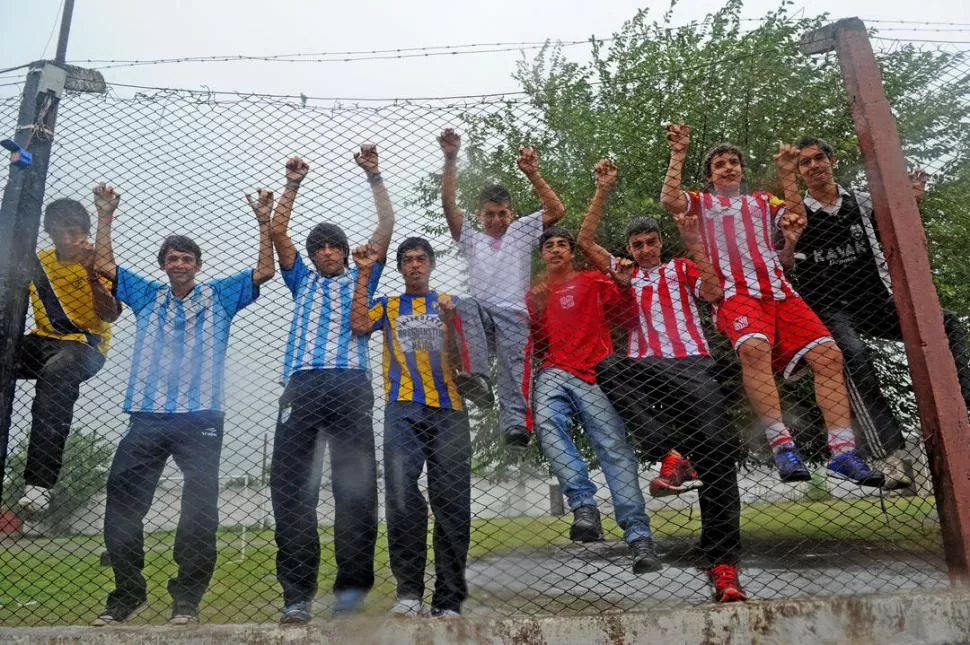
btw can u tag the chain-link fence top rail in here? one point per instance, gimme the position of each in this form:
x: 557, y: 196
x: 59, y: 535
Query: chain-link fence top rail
x: 182, y: 161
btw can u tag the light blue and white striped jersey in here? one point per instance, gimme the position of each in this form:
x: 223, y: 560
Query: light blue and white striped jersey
x: 180, y: 343
x: 320, y: 336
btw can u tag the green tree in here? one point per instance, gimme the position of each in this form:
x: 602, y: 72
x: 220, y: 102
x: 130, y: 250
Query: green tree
x: 730, y: 82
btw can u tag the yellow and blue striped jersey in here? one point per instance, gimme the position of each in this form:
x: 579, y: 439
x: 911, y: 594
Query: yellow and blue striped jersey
x: 416, y: 362
x: 63, y: 288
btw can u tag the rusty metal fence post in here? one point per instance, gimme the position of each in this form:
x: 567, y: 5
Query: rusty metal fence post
x: 942, y: 412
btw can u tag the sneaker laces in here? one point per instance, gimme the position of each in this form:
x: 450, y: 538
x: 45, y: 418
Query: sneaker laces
x: 724, y: 575
x: 789, y: 457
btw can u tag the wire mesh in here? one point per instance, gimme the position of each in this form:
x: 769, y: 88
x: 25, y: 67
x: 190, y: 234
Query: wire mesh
x: 618, y: 375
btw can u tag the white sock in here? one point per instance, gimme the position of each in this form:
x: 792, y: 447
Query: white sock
x: 841, y: 441
x: 778, y: 436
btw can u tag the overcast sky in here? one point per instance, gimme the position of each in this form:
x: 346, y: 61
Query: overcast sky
x: 123, y: 29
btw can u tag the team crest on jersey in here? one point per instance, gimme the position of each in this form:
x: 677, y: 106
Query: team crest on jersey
x: 285, y: 414
x: 567, y: 301
x: 856, y: 231
x: 740, y: 323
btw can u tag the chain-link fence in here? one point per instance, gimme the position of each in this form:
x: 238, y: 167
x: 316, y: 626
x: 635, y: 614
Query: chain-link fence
x: 580, y: 370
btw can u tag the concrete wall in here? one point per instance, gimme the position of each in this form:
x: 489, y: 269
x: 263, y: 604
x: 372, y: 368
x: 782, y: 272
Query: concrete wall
x: 912, y: 618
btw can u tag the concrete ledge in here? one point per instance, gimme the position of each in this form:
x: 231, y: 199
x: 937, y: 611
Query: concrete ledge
x: 918, y: 618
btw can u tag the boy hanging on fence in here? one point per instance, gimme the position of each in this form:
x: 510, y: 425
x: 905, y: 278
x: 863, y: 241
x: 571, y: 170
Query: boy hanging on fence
x: 175, y: 403
x: 500, y: 271
x: 840, y: 270
x: 570, y: 335
x: 73, y: 311
x: 769, y: 326
x: 668, y: 363
x: 424, y: 423
x: 328, y: 400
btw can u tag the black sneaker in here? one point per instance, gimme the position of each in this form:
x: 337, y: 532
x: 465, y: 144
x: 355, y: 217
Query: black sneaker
x: 517, y: 437
x: 644, y: 556
x: 296, y: 613
x: 184, y: 613
x: 116, y: 613
x: 476, y: 389
x: 586, y: 525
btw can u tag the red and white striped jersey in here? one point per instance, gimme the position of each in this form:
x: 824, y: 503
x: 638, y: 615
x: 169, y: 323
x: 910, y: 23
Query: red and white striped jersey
x: 739, y: 236
x: 669, y: 324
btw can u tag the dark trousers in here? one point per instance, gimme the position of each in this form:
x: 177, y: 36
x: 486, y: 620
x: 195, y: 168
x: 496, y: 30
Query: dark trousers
x: 194, y: 440
x: 414, y: 434
x: 321, y: 407
x: 879, y: 431
x: 676, y: 403
x: 59, y: 367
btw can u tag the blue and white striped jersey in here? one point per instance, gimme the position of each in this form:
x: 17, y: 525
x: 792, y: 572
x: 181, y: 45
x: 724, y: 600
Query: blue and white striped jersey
x: 320, y: 336
x: 180, y: 343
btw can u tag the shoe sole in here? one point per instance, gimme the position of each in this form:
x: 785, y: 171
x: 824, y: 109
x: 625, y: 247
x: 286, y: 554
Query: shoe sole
x: 183, y: 620
x: 584, y: 535
x: 731, y: 595
x: 666, y: 490
x: 795, y: 477
x: 872, y: 481
x: 648, y: 566
x: 101, y: 622
x: 294, y: 620
x: 896, y: 484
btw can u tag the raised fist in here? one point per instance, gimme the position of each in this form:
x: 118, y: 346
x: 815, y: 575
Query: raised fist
x: 786, y: 159
x: 367, y: 158
x: 688, y: 227
x: 528, y: 161
x: 446, y: 309
x: 678, y: 136
x: 364, y: 255
x: 450, y: 143
x: 296, y: 169
x: 262, y: 205
x: 605, y: 171
x: 106, y: 199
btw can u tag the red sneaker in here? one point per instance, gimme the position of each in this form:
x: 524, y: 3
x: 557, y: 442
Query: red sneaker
x: 724, y: 577
x: 676, y: 476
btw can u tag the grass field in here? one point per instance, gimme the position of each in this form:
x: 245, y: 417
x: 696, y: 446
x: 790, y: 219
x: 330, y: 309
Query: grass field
x: 51, y: 581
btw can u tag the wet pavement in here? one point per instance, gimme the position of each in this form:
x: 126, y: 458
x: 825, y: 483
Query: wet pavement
x: 594, y: 578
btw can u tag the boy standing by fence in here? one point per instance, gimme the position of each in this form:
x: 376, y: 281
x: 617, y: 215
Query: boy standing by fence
x: 570, y: 336
x: 328, y: 400
x: 175, y: 403
x: 500, y: 273
x: 424, y: 422
x: 769, y: 326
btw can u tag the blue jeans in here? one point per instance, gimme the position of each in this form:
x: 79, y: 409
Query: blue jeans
x: 558, y: 396
x: 414, y: 435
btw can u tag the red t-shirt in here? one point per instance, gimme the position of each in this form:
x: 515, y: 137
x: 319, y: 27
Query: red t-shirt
x: 571, y: 332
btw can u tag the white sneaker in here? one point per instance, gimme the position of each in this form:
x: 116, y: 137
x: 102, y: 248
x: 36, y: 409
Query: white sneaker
x: 408, y: 608
x: 36, y: 499
x: 895, y: 471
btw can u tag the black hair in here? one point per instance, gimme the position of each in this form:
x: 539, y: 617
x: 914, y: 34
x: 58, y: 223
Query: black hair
x: 722, y: 149
x: 412, y: 244
x: 642, y: 225
x: 823, y: 145
x: 66, y: 212
x: 557, y: 231
x: 179, y: 243
x: 327, y: 233
x: 496, y: 193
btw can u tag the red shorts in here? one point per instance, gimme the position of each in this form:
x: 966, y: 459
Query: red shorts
x: 789, y: 326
